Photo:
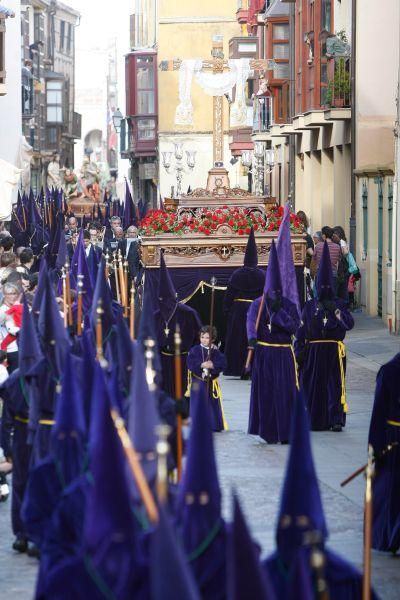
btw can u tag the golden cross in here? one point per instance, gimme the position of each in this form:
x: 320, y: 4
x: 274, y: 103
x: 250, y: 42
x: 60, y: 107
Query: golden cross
x: 217, y: 65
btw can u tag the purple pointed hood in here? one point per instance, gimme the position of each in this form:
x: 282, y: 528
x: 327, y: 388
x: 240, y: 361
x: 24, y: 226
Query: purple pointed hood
x: 199, y: 496
x: 285, y: 256
x: 29, y: 352
x: 301, y: 506
x: 167, y: 300
x: 251, y: 254
x: 273, y: 282
x: 245, y: 577
x: 324, y: 279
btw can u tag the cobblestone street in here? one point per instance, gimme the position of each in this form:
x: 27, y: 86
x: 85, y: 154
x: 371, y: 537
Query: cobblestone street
x: 256, y: 471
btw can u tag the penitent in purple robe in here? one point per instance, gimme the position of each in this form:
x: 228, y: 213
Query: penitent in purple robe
x: 245, y: 285
x: 320, y: 352
x: 385, y: 430
x: 273, y: 385
x: 189, y: 325
x: 198, y: 355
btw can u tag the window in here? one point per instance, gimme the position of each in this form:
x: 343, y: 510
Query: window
x: 52, y: 135
x: 69, y: 37
x: 38, y: 26
x: 2, y: 46
x: 281, y: 71
x: 54, y: 102
x: 280, y: 50
x: 280, y: 31
x: 62, y: 35
x: 326, y: 15
x: 146, y: 129
x: 145, y: 86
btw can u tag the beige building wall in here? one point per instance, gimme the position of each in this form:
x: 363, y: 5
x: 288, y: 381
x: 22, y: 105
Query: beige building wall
x: 376, y: 86
x: 185, y: 30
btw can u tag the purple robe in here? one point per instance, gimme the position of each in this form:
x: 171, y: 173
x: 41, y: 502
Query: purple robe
x: 198, y: 355
x: 15, y: 419
x: 245, y: 285
x: 273, y: 385
x: 322, y: 371
x: 384, y: 430
x: 344, y: 581
x: 189, y: 324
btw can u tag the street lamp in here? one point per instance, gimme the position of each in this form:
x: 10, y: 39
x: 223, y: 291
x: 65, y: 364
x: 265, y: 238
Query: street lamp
x: 179, y: 167
x: 117, y: 120
x: 264, y: 162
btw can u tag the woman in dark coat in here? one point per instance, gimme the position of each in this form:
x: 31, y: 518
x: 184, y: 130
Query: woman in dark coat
x: 321, y: 352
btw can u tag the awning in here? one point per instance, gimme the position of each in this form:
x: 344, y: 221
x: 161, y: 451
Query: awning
x: 6, y: 12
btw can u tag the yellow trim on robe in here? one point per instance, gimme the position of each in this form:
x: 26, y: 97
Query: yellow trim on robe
x: 243, y: 300
x: 394, y: 423
x: 46, y: 422
x: 296, y: 374
x: 341, y: 356
x: 21, y: 419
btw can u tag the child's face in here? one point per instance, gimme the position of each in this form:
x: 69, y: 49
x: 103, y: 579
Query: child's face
x: 205, y: 339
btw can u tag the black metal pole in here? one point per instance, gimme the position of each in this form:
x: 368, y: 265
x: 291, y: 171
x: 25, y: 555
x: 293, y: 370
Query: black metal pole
x: 353, y: 223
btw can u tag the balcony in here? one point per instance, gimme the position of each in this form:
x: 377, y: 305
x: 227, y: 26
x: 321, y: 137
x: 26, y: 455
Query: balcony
x: 262, y: 115
x: 337, y: 93
x: 138, y: 136
x: 242, y: 11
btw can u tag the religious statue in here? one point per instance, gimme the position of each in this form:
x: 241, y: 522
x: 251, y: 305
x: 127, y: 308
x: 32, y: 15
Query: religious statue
x: 53, y: 173
x: 90, y: 179
x: 70, y: 184
x: 25, y: 158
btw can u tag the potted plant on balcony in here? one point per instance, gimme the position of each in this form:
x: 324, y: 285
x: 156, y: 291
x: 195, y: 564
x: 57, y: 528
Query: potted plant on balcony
x: 339, y: 88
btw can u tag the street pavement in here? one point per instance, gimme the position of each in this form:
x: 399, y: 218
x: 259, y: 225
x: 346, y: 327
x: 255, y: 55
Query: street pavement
x: 255, y: 470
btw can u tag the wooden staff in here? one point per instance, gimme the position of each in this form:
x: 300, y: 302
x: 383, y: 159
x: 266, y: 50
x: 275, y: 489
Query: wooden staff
x: 64, y: 288
x: 136, y: 468
x: 132, y: 312
x: 250, y: 351
x: 114, y: 263
x: 68, y: 284
x: 99, y: 333
x: 213, y: 281
x: 163, y: 432
x: 126, y: 307
x: 362, y: 469
x: 369, y: 474
x: 79, y: 312
x: 178, y: 396
x: 121, y: 279
x: 107, y: 266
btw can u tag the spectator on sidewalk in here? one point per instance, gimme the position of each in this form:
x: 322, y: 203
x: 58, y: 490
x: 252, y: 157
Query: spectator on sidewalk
x: 334, y: 254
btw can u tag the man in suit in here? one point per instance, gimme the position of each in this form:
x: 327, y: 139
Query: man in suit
x: 130, y: 250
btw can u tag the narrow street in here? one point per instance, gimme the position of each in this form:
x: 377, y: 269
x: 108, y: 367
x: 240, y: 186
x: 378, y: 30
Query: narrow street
x: 255, y: 470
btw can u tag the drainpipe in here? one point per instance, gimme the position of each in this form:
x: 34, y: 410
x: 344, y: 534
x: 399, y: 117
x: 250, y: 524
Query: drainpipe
x: 353, y: 224
x: 396, y: 217
x: 292, y: 106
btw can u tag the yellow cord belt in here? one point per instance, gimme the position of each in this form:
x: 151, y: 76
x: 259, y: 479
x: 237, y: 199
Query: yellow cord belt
x: 341, y: 356
x: 294, y: 358
x: 21, y: 419
x: 394, y: 423
x: 243, y: 300
x: 46, y: 422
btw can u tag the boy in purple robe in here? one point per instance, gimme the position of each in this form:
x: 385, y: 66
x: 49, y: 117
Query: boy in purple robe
x: 321, y: 352
x: 245, y: 285
x: 274, y: 375
x: 204, y: 363
x: 384, y: 431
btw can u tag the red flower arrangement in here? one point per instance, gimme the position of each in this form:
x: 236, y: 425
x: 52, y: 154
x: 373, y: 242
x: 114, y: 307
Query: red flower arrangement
x: 240, y: 220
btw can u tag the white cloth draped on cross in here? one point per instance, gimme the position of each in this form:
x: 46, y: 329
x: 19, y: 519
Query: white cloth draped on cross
x: 213, y: 84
